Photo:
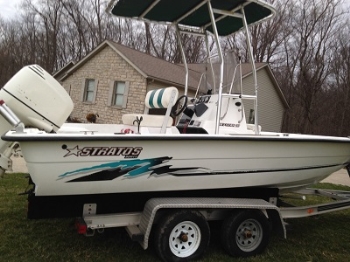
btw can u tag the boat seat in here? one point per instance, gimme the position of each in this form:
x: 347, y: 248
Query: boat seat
x: 159, y: 98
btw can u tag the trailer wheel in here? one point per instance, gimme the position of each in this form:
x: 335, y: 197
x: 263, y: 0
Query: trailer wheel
x: 245, y: 233
x: 181, y: 236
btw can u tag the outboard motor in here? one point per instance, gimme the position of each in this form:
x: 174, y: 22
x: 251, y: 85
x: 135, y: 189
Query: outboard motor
x: 33, y: 98
x: 37, y: 99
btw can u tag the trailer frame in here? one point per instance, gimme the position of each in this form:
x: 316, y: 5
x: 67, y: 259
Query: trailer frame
x: 140, y: 224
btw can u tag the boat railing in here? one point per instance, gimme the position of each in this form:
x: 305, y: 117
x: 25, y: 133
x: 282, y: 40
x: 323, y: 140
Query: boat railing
x: 240, y: 77
x: 229, y: 85
x: 199, y: 85
x: 247, y: 97
x: 235, y: 96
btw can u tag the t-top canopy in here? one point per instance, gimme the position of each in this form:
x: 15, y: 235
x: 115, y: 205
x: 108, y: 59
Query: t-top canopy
x: 195, y: 13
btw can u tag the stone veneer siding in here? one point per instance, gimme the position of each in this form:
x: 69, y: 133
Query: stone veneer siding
x: 106, y: 67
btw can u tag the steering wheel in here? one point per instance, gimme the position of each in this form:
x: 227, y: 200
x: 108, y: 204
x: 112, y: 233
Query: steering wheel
x: 179, y: 107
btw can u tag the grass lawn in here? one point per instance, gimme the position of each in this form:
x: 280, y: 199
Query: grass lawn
x: 320, y: 238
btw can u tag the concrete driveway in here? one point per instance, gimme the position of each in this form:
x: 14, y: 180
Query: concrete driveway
x: 340, y: 177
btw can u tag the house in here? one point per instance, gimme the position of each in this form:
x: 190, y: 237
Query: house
x: 60, y: 73
x: 113, y: 80
x: 271, y: 102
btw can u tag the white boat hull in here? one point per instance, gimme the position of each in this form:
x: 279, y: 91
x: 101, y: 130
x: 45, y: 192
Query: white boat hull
x: 66, y: 164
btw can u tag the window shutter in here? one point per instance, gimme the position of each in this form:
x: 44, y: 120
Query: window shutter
x: 95, y: 91
x: 110, y: 93
x: 83, y: 91
x: 126, y: 94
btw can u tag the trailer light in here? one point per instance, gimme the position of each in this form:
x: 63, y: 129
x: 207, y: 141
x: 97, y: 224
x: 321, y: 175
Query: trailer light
x: 81, y: 226
x: 310, y: 211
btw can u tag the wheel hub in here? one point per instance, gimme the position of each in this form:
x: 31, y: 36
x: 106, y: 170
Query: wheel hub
x: 183, y: 236
x: 247, y: 233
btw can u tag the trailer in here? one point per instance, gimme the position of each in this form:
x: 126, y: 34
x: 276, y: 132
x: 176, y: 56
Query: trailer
x: 180, y: 229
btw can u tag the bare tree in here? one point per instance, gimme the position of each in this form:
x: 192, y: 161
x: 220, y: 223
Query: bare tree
x: 267, y: 38
x: 74, y: 10
x: 314, y: 25
x: 13, y: 52
x: 339, y: 89
x: 45, y: 17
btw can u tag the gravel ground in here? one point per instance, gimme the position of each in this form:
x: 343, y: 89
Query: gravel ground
x: 340, y: 177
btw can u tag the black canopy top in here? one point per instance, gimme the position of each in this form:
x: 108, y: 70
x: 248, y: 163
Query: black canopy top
x: 194, y: 13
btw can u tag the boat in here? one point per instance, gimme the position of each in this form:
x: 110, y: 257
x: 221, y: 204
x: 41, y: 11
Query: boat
x: 210, y: 151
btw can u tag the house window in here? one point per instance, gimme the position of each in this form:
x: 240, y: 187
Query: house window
x: 118, y: 94
x: 89, y: 91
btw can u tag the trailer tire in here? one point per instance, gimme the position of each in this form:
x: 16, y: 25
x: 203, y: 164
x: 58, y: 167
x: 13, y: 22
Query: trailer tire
x: 245, y: 233
x: 181, y: 236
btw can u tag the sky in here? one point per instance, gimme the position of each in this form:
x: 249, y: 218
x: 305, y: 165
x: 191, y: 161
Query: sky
x: 8, y: 8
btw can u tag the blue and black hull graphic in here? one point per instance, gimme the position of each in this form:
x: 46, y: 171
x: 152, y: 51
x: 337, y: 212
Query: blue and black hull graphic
x: 156, y: 167
x: 126, y: 168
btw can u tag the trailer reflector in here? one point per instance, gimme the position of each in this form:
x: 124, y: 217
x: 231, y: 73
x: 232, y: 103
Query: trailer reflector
x: 310, y: 210
x: 81, y: 226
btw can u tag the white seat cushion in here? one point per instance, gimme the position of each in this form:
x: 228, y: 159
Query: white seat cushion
x: 158, y: 98
x: 161, y: 98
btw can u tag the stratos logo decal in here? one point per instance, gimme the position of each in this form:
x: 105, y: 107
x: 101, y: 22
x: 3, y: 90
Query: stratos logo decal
x: 127, y: 152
